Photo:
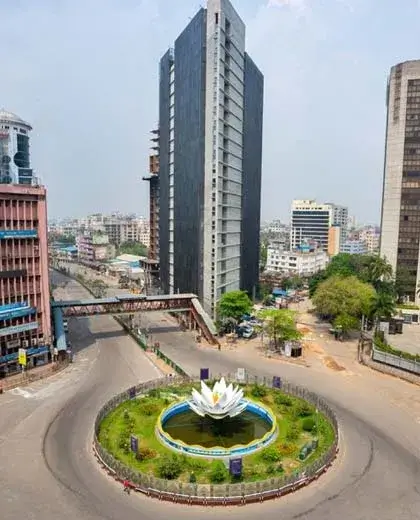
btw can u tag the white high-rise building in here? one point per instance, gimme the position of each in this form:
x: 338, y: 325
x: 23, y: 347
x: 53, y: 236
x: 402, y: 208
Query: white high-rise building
x: 15, y: 165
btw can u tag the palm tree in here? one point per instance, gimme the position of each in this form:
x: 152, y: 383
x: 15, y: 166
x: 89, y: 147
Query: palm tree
x: 378, y: 270
x: 383, y: 306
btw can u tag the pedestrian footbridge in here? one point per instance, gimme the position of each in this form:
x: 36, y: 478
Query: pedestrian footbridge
x: 187, y: 304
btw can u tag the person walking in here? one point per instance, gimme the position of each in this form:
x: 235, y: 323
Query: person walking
x: 127, y: 488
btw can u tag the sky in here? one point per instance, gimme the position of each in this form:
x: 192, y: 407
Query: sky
x: 84, y: 73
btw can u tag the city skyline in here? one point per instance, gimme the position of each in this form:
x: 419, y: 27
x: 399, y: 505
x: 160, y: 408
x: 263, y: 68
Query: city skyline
x: 117, y: 117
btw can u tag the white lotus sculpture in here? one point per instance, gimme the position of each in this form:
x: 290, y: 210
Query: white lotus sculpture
x: 223, y: 401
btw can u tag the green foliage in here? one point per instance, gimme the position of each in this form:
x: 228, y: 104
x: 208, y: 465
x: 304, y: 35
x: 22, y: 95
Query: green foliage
x: 155, y: 393
x: 148, y: 408
x: 193, y: 478
x: 343, y: 296
x: 303, y: 409
x: 308, y: 424
x: 271, y: 454
x: 383, y: 305
x: 170, y: 467
x: 283, y: 400
x: 234, y: 304
x: 293, y: 432
x: 132, y: 248
x: 346, y: 323
x: 258, y: 391
x: 405, y: 282
x: 280, y: 325
x: 145, y: 453
x: 218, y: 472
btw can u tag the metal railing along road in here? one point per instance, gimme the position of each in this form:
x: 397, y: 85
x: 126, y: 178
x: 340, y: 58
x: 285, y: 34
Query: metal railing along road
x: 395, y: 361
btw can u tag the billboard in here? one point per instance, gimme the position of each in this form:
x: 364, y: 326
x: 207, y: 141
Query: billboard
x: 18, y: 233
x: 16, y: 329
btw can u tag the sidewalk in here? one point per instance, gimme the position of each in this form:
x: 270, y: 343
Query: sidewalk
x: 35, y: 374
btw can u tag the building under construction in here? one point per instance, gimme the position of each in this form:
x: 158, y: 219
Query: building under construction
x: 151, y: 265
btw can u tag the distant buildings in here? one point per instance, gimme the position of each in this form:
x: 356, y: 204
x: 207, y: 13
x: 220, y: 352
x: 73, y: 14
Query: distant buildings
x: 94, y: 247
x: 25, y: 320
x: 303, y: 262
x: 210, y: 153
x: 400, y: 226
x: 354, y: 247
x: 370, y: 236
x: 119, y: 228
x: 311, y: 221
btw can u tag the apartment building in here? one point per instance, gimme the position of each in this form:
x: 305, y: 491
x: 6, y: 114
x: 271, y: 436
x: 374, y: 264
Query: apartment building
x: 25, y: 320
x: 302, y: 262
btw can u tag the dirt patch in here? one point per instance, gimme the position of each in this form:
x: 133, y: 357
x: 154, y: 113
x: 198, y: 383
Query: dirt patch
x: 314, y: 348
x: 303, y: 329
x: 332, y: 364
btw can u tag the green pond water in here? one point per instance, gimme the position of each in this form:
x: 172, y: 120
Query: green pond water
x: 190, y: 428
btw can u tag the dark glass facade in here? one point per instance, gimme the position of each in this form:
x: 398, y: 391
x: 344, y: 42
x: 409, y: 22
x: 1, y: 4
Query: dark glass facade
x: 164, y: 116
x: 190, y: 92
x: 409, y: 225
x: 251, y: 177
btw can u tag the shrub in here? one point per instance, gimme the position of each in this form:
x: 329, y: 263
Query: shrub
x: 303, y: 410
x: 193, y: 478
x: 293, y: 432
x: 218, y: 472
x: 258, y: 391
x: 169, y: 467
x: 283, y: 400
x: 196, y: 464
x: 126, y: 416
x: 271, y: 454
x: 145, y: 453
x: 148, y: 408
x: 308, y: 424
x: 271, y: 469
x: 154, y: 392
x: 286, y: 449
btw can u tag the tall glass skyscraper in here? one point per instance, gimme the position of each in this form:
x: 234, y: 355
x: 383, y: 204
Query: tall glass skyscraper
x: 210, y: 147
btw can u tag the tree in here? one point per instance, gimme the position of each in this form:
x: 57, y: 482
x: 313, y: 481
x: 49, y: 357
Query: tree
x: 263, y: 255
x: 133, y: 248
x: 383, y: 305
x: 280, y: 325
x: 343, y: 296
x: 234, y: 304
x: 376, y: 270
x: 346, y: 323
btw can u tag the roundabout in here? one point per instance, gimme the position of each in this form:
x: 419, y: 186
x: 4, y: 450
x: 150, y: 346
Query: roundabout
x: 46, y: 432
x: 230, y: 444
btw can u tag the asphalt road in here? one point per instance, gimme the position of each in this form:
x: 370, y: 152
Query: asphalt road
x: 48, y: 471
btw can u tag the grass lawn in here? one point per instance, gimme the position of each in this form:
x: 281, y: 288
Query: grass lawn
x: 139, y: 417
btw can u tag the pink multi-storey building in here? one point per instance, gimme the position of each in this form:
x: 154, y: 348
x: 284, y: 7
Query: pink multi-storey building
x: 25, y: 318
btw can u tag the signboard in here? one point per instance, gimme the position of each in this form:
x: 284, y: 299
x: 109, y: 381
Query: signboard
x: 12, y: 306
x: 19, y: 328
x: 241, y: 374
x: 204, y: 374
x: 17, y: 313
x: 22, y: 357
x: 132, y: 392
x: 18, y: 233
x: 134, y: 443
x: 14, y: 343
x: 235, y: 467
x: 276, y: 382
